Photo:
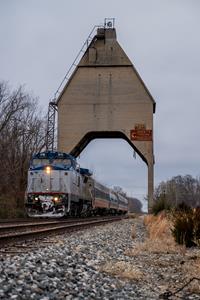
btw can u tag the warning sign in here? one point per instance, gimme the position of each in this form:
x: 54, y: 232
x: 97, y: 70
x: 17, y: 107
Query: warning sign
x: 140, y: 126
x: 140, y: 133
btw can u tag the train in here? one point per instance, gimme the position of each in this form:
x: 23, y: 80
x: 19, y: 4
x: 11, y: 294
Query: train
x: 58, y: 187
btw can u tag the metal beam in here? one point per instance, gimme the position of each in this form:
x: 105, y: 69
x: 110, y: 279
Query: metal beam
x: 50, y: 135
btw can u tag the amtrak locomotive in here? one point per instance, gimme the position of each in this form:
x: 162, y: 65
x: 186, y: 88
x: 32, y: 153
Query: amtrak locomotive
x: 58, y: 187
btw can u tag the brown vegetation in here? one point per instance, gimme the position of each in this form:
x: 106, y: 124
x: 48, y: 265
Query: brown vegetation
x: 132, y: 215
x: 160, y: 243
x: 133, y: 232
x: 159, y: 238
x: 186, y: 226
x: 122, y: 269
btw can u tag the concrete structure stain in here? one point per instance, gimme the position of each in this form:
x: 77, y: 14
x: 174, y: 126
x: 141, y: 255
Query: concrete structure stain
x: 106, y: 98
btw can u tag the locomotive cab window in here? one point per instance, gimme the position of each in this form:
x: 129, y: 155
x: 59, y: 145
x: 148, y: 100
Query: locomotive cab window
x: 65, y: 162
x: 38, y: 162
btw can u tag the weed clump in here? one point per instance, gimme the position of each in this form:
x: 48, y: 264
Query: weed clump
x: 133, y: 232
x: 186, y: 226
x: 122, y: 269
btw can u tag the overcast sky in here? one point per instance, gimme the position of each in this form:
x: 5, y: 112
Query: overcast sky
x: 40, y: 39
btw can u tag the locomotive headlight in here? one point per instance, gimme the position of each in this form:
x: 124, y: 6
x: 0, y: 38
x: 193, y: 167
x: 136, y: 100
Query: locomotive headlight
x: 55, y: 198
x: 48, y: 169
x: 36, y: 198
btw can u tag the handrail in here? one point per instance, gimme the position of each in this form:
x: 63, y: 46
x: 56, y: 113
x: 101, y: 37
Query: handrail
x: 75, y: 63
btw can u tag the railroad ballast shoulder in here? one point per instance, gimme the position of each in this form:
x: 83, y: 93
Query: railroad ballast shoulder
x: 58, y: 187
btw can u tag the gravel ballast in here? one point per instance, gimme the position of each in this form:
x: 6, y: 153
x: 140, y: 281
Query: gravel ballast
x: 74, y: 267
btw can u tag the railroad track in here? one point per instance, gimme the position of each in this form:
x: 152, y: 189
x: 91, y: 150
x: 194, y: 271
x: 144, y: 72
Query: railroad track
x: 27, y: 230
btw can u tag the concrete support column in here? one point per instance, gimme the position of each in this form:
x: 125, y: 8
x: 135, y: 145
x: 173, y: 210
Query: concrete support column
x: 150, y: 185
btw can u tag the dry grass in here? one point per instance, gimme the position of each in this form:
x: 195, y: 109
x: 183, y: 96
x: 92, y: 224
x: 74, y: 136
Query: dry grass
x: 132, y: 215
x: 160, y: 239
x: 158, y: 227
x: 122, y: 269
x: 156, y: 246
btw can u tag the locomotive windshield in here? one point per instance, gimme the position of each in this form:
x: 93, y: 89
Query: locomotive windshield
x: 41, y: 162
x: 65, y: 162
x: 38, y: 162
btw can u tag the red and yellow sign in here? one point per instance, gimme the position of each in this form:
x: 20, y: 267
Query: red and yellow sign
x: 140, y: 133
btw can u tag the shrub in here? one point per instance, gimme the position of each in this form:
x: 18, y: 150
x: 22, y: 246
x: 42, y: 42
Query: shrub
x: 9, y: 209
x: 197, y: 226
x: 186, y: 226
x: 20, y: 213
x: 160, y: 205
x: 183, y: 207
x: 183, y: 230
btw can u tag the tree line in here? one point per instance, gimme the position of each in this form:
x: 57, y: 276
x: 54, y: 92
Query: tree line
x: 178, y: 190
x: 134, y: 204
x: 22, y: 133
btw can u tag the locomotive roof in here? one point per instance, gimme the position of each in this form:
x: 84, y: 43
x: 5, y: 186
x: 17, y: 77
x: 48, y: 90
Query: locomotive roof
x: 52, y: 155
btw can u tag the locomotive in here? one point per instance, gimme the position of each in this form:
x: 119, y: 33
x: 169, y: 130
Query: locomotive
x: 58, y: 187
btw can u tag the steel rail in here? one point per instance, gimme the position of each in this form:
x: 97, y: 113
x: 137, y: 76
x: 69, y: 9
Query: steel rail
x: 73, y: 226
x: 34, y: 223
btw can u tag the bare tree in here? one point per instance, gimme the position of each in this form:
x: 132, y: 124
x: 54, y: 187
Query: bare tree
x: 10, y: 104
x: 180, y: 189
x: 22, y: 132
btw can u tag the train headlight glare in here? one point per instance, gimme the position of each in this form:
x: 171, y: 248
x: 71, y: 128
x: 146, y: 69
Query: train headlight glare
x: 56, y: 198
x: 48, y: 169
x: 36, y: 198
